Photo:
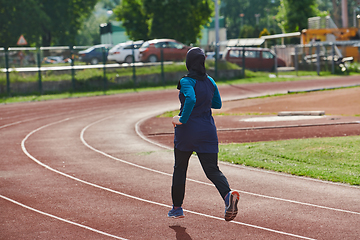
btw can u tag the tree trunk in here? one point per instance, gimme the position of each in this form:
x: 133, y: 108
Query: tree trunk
x: 46, y: 39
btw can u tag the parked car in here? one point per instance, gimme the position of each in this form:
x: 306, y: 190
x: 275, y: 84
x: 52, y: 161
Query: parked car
x: 211, y: 55
x: 94, y: 54
x: 123, y: 52
x: 173, y: 50
x: 256, y: 59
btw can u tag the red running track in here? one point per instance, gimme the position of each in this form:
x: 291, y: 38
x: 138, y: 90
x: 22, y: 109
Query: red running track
x: 78, y: 169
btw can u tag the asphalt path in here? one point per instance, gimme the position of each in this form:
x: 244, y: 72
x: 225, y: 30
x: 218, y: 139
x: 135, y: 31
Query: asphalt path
x: 81, y: 169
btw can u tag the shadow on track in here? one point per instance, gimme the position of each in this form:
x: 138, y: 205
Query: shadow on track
x: 180, y: 233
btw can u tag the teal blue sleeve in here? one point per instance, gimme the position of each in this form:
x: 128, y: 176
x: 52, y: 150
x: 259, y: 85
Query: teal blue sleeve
x: 187, y: 88
x: 216, y: 101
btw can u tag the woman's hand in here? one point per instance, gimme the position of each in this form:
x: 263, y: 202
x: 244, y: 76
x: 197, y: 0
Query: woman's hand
x: 175, y: 121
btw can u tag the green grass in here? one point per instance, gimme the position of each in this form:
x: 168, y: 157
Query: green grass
x: 334, y: 159
x: 45, y: 97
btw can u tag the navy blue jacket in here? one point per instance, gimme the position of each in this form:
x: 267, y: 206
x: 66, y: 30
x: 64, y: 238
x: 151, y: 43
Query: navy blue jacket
x: 198, y: 131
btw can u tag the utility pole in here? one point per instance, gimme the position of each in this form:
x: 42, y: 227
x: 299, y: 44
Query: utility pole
x: 344, y: 13
x: 242, y: 19
x: 216, y: 36
x: 257, y: 18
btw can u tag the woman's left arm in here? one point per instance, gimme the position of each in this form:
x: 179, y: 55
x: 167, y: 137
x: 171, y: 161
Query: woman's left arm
x: 216, y: 100
x: 187, y: 88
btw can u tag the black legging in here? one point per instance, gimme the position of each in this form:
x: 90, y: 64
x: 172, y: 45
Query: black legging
x: 209, y: 163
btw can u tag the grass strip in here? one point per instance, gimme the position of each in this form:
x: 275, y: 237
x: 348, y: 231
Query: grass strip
x: 335, y: 159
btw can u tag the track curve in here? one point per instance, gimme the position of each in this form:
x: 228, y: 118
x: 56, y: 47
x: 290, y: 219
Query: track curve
x: 90, y: 152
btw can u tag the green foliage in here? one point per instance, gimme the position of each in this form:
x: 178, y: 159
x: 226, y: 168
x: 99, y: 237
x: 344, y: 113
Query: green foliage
x: 110, y: 4
x: 298, y: 14
x: 180, y: 20
x: 248, y: 31
x: 20, y: 17
x: 66, y: 17
x: 231, y: 10
x: 293, y: 15
x: 134, y: 18
x: 89, y: 34
x: 42, y: 22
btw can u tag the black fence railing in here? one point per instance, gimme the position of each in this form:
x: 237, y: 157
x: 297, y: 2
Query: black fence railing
x: 30, y: 70
x: 319, y: 56
x: 64, y: 65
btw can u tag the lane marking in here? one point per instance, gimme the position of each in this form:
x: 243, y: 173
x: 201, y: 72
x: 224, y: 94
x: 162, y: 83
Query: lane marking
x: 130, y: 196
x: 10, y: 124
x: 138, y: 131
x: 61, y: 219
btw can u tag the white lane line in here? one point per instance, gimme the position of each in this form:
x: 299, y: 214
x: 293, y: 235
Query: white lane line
x: 61, y: 219
x: 130, y: 196
x: 51, y: 169
x: 167, y: 174
x: 10, y: 124
x: 138, y: 131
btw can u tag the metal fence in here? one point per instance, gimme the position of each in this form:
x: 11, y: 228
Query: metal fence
x: 30, y: 70
x: 320, y: 56
x: 17, y: 63
x: 65, y: 61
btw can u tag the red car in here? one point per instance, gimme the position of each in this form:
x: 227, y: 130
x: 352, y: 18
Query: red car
x: 173, y: 50
x: 257, y: 59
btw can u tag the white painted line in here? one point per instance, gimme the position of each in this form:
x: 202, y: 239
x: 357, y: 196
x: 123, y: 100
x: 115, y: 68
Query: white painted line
x: 280, y: 118
x: 127, y: 195
x: 61, y: 219
x: 10, y: 124
x: 138, y: 131
x: 250, y: 225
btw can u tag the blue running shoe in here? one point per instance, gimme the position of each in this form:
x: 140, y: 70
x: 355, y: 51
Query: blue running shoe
x: 231, y: 201
x: 176, y: 213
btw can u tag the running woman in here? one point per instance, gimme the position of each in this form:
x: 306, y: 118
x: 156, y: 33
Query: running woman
x: 195, y: 131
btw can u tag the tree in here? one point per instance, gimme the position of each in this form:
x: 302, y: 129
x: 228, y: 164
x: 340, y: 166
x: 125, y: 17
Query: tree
x: 239, y: 13
x: 66, y: 17
x: 293, y: 14
x: 134, y: 19
x: 335, y: 9
x: 20, y: 18
x: 42, y: 22
x: 298, y: 14
x: 231, y: 10
x: 89, y: 33
x: 247, y: 31
x: 180, y: 20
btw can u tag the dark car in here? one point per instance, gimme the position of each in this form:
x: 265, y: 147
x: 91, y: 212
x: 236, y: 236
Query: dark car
x: 173, y: 50
x: 257, y: 59
x: 94, y: 54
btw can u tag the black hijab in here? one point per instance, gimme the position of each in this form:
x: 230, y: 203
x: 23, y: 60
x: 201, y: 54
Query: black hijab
x: 195, y: 64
